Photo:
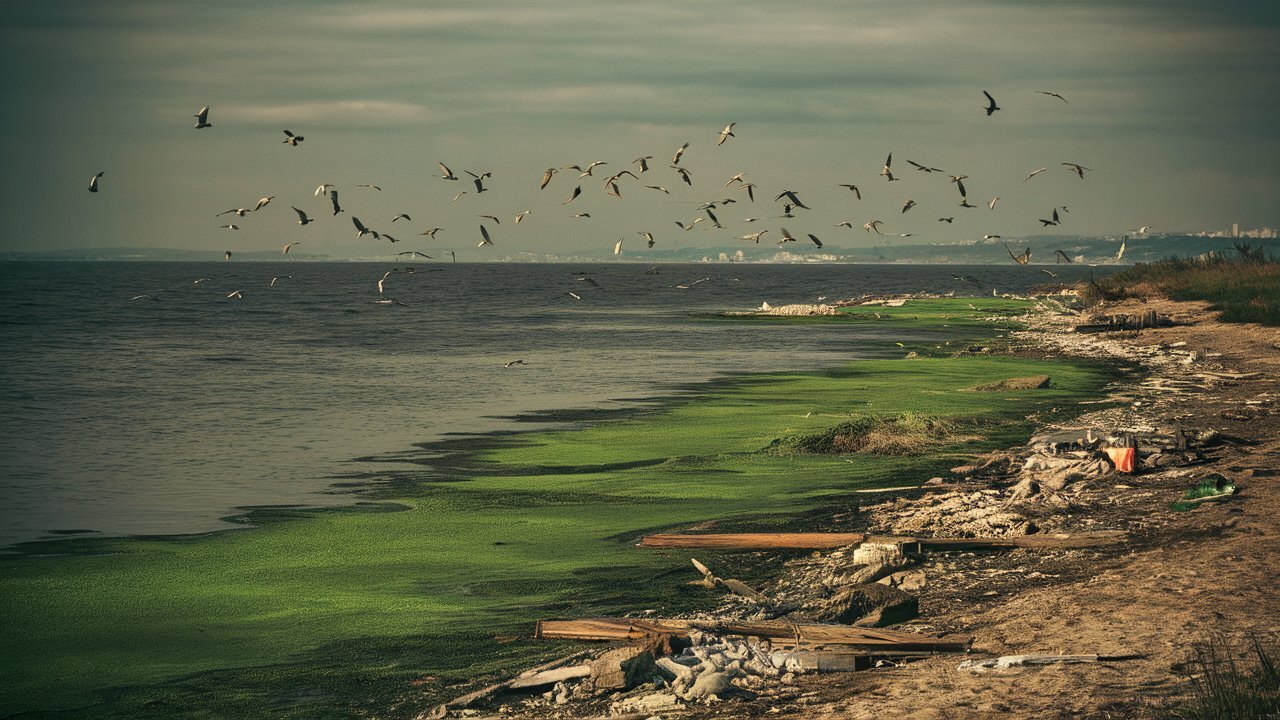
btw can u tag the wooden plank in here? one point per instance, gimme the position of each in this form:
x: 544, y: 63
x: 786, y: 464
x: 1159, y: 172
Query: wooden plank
x: 550, y: 677
x: 825, y: 541
x: 1048, y: 541
x: 779, y: 632
x: 754, y: 541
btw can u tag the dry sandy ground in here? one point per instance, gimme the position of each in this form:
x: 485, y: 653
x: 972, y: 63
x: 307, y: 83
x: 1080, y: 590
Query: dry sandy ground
x: 1185, y: 577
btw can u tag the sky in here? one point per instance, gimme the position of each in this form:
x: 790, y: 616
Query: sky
x: 1172, y: 106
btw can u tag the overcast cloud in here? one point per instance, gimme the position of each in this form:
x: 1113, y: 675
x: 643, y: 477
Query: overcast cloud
x: 1173, y: 106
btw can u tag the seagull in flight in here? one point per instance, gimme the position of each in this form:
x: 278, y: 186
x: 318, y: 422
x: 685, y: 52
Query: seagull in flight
x: 520, y: 216
x: 845, y: 223
x: 546, y: 176
x: 286, y: 247
x: 1077, y: 169
x: 857, y: 193
x: 93, y: 182
x: 375, y: 187
x: 263, y: 202
x: 484, y: 232
x: 432, y: 232
x: 1052, y: 94
x: 1124, y: 243
x: 992, y: 205
x: 521, y: 362
x: 415, y: 253
x: 302, y: 219
x: 402, y: 215
x: 684, y: 175
x: 873, y: 225
x: 333, y: 198
x: 726, y: 133
x: 235, y: 294
x: 361, y: 230
x: 1033, y: 174
x: 292, y: 139
x: 324, y: 188
x: 908, y: 205
x: 240, y: 212
x: 455, y: 197
x: 383, y: 279
x: 815, y: 240
x: 924, y: 168
x: 947, y: 219
x: 225, y: 256
x: 230, y: 227
x: 675, y: 159
x: 648, y: 236
x: 202, y: 118
x: 786, y: 237
x: 887, y: 172
x: 659, y: 188
x: 1054, y: 221
x: 479, y: 180
x: 643, y: 162
x: 277, y: 278
x: 617, y: 248
x: 754, y: 237
x: 991, y: 103
x: 447, y: 174
x: 788, y: 194
x: 1021, y: 259
x: 576, y: 192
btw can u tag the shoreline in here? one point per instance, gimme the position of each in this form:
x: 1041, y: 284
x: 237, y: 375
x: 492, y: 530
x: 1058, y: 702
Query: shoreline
x: 277, y: 553
x: 983, y: 594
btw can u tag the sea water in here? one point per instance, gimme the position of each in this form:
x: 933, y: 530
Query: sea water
x: 123, y: 414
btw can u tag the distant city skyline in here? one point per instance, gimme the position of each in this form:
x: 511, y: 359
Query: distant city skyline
x: 1170, y: 107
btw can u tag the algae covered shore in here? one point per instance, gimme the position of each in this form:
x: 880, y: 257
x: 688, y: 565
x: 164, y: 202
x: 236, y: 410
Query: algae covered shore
x: 434, y: 579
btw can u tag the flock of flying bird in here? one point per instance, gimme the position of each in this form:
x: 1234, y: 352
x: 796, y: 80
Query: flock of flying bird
x: 789, y: 200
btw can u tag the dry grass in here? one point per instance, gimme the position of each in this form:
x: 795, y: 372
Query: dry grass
x: 1245, y: 289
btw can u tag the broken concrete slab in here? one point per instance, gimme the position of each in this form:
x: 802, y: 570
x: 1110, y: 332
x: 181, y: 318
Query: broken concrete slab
x: 622, y: 668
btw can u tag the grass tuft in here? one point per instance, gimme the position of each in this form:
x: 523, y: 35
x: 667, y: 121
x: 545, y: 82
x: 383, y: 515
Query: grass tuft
x: 899, y: 435
x: 1226, y: 688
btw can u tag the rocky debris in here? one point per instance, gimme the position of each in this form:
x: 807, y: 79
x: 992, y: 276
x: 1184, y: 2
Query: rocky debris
x: 798, y: 309
x: 622, y: 669
x: 870, y: 605
x: 1034, y: 382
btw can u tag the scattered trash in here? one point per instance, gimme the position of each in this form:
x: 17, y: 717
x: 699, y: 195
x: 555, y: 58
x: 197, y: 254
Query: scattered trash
x: 1213, y: 488
x: 1009, y: 661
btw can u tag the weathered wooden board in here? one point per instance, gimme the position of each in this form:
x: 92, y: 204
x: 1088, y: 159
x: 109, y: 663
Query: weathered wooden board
x: 779, y: 632
x: 754, y: 541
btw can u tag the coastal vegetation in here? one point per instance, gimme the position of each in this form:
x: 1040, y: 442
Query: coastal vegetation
x: 433, y: 580
x: 1244, y: 284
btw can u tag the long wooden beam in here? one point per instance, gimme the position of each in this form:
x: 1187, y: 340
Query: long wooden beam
x: 755, y: 541
x: 779, y: 632
x: 824, y: 541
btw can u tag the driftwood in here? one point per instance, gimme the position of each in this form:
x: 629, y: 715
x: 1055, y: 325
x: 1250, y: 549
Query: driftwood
x: 550, y: 677
x: 778, y: 632
x: 490, y: 690
x: 822, y: 541
x: 754, y: 541
x: 1048, y: 541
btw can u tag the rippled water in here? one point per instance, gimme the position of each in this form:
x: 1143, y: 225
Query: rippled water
x: 150, y: 417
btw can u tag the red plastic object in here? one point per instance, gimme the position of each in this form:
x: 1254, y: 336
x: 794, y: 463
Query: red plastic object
x: 1122, y: 458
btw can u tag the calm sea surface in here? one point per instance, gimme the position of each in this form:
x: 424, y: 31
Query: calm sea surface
x: 124, y: 416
